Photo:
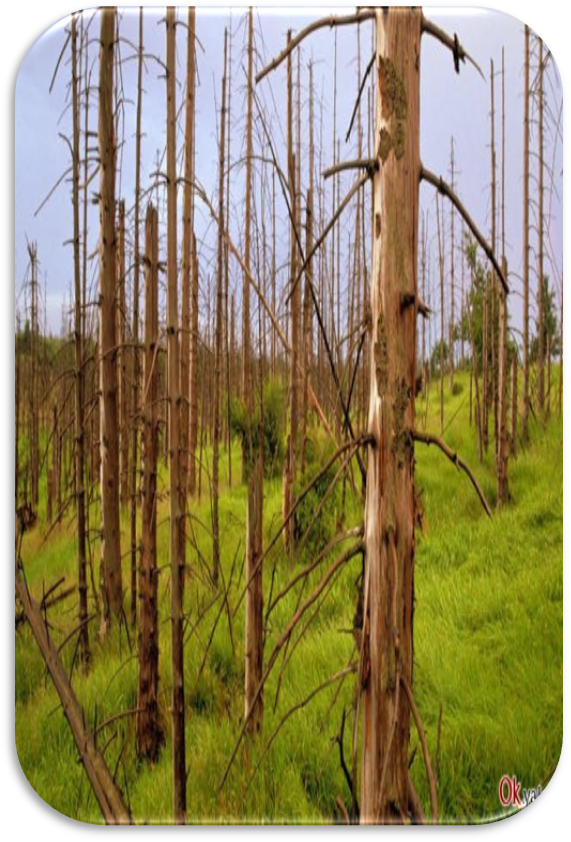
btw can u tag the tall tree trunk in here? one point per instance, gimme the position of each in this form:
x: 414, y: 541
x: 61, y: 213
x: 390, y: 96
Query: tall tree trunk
x: 387, y: 646
x: 452, y: 291
x: 109, y: 416
x: 503, y: 442
x: 291, y: 461
x: 513, y: 392
x: 254, y: 631
x: 173, y: 373
x: 136, y: 356
x: 525, y: 406
x: 17, y: 354
x: 122, y: 364
x: 540, y: 253
x: 187, y: 234
x: 193, y: 373
x: 218, y: 332
x: 149, y: 729
x: 441, y: 269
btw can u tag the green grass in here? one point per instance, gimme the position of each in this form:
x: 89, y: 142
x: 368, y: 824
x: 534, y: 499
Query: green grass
x: 488, y: 649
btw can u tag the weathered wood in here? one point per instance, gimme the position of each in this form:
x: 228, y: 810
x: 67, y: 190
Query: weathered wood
x: 149, y: 729
x: 526, y: 94
x: 386, y: 650
x: 173, y: 391
x: 106, y: 791
x: 109, y: 416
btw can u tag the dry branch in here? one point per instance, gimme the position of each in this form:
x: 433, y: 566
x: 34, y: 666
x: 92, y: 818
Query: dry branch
x: 285, y: 636
x: 106, y: 791
x: 429, y: 438
x: 322, y: 23
x: 422, y: 738
x: 460, y: 54
x: 446, y: 190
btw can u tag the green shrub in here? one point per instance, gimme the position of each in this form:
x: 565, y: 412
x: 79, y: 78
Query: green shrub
x: 319, y: 450
x: 246, y: 426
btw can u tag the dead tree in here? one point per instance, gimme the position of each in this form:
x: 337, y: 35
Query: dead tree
x: 253, y: 458
x: 106, y: 791
x: 133, y: 478
x: 385, y: 667
x: 149, y: 728
x: 441, y: 271
x: 79, y: 390
x: 187, y: 235
x: 503, y: 444
x: 525, y: 404
x: 540, y: 251
x: 218, y: 332
x: 33, y: 397
x: 452, y: 256
x: 173, y: 384
x: 109, y: 417
x: 122, y: 363
x: 193, y: 372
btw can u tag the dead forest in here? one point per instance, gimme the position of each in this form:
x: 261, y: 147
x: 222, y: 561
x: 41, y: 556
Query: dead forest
x: 274, y: 315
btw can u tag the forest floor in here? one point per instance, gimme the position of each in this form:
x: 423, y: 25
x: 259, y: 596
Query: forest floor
x: 488, y: 630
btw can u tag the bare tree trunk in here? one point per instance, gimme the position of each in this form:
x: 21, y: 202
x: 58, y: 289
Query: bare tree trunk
x: 503, y: 442
x: 452, y: 256
x: 109, y: 417
x: 479, y: 408
x: 513, y: 390
x: 561, y: 353
x: 150, y: 735
x: 540, y: 258
x: 187, y: 235
x: 33, y: 402
x: 173, y: 365
x: 17, y: 354
x: 218, y: 331
x: 387, y: 646
x: 494, y: 316
x: 122, y: 364
x: 441, y: 269
x: 136, y: 357
x: 525, y: 407
x: 193, y: 373
x: 291, y: 461
x: 253, y: 463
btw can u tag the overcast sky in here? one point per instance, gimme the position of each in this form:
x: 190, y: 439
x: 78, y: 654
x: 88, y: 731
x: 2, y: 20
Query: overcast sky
x: 452, y: 106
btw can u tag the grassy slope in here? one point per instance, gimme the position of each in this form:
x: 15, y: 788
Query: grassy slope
x: 488, y: 648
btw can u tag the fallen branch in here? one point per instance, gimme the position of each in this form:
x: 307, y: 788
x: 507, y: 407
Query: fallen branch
x: 458, y: 51
x: 424, y: 746
x: 446, y: 190
x: 106, y: 791
x: 429, y: 438
x: 322, y: 23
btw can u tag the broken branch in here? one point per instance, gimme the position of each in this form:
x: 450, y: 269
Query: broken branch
x: 429, y: 438
x: 322, y: 23
x: 446, y: 190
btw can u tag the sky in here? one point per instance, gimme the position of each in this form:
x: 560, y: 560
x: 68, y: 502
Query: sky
x: 452, y: 106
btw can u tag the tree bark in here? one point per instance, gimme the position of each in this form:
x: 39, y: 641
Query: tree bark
x: 254, y: 632
x: 149, y: 729
x: 173, y: 373
x: 79, y: 390
x: 525, y: 405
x: 109, y: 417
x: 540, y: 257
x: 218, y: 332
x: 187, y: 235
x: 122, y: 364
x: 387, y: 646
x: 136, y: 359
